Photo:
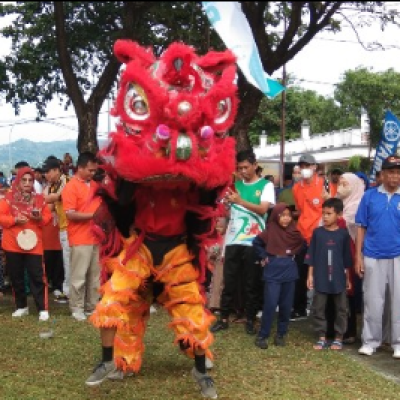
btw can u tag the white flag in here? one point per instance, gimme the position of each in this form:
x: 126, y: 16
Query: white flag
x: 231, y: 24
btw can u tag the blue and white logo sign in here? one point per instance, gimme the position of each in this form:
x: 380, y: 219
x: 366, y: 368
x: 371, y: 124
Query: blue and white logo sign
x: 391, y: 131
x: 388, y: 143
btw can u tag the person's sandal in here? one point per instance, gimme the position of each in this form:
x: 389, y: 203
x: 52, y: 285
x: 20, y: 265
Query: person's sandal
x: 336, y: 345
x: 321, y: 344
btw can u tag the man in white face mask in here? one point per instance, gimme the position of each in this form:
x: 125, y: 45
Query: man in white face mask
x: 307, y: 193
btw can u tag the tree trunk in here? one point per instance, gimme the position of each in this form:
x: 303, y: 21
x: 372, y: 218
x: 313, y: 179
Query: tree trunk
x: 250, y: 99
x: 87, y: 138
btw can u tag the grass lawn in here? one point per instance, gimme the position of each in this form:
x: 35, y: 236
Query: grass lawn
x: 32, y: 368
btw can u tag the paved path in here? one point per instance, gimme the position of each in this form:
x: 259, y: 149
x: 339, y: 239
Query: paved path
x: 381, y: 361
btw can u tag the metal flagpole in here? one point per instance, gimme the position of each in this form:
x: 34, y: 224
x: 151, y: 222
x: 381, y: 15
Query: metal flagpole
x: 283, y: 123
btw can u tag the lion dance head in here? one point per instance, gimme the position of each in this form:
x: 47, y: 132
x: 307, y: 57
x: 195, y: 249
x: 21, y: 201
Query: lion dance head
x: 174, y: 113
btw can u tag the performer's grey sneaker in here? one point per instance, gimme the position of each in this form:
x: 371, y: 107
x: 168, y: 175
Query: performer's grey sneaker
x: 119, y: 375
x: 209, y: 364
x: 206, y: 384
x: 101, y: 372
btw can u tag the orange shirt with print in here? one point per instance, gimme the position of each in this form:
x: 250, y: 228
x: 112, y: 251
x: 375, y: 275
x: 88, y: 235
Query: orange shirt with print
x: 308, y: 199
x: 11, y: 230
x: 78, y: 196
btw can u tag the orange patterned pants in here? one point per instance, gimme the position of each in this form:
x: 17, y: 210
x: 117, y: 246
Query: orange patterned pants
x: 126, y: 302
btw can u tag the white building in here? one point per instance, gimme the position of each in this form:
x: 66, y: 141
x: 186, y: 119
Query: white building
x: 327, y: 148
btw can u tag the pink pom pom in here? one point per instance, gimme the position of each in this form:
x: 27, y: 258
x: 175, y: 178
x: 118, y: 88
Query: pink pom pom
x: 163, y: 132
x: 206, y: 132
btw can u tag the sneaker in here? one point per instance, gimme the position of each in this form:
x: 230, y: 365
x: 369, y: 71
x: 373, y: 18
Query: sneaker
x: 79, y: 316
x: 21, y: 312
x: 101, y: 372
x: 396, y: 353
x: 250, y: 330
x: 366, y: 350
x: 153, y: 309
x: 220, y: 325
x: 119, y: 375
x: 44, y: 315
x: 206, y: 384
x: 297, y: 316
x: 62, y: 298
x: 209, y: 363
x: 279, y: 341
x: 57, y: 293
x: 259, y: 315
x: 261, y: 342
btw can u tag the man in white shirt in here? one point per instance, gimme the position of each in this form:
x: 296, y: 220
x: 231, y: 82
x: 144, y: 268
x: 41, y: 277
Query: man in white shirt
x: 38, y: 184
x: 250, y: 201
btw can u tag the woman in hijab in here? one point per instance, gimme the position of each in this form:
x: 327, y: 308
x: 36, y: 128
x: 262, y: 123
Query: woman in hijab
x: 23, y: 213
x: 350, y: 190
x: 276, y: 246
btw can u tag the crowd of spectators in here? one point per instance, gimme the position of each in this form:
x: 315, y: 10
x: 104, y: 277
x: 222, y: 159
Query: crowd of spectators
x: 326, y: 249
x: 325, y: 246
x: 47, y: 240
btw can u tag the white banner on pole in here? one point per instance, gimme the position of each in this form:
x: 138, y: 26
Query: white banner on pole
x: 231, y: 24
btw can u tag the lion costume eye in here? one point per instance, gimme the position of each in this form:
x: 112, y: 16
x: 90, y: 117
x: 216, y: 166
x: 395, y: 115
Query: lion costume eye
x: 136, y: 103
x: 224, y: 109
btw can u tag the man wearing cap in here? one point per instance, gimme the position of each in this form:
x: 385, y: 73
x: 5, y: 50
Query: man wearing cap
x: 308, y: 196
x: 378, y: 256
x: 57, y: 182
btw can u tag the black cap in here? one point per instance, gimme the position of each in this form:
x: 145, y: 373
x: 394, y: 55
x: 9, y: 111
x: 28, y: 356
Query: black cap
x: 49, y: 164
x: 307, y: 159
x: 391, y: 162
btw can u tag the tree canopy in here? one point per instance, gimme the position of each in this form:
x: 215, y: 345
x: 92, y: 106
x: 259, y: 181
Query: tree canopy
x: 376, y: 92
x: 323, y: 114
x: 64, y: 49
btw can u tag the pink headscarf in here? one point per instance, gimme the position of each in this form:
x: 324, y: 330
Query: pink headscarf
x: 352, y: 201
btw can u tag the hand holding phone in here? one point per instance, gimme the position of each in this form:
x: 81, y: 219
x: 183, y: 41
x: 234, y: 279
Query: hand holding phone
x: 35, y: 214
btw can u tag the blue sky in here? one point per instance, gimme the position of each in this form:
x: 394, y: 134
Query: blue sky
x: 319, y: 65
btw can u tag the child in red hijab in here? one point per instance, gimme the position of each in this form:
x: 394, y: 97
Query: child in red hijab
x: 276, y: 246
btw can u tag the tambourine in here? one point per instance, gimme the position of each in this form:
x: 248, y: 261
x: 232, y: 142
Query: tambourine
x: 27, y: 239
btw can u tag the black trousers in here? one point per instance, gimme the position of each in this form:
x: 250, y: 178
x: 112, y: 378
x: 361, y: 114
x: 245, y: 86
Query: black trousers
x: 300, y: 293
x: 54, y: 265
x: 241, y: 259
x: 33, y: 263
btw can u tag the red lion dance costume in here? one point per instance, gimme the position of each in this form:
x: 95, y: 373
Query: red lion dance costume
x: 166, y: 166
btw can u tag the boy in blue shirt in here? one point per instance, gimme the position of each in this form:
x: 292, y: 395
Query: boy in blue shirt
x: 329, y: 257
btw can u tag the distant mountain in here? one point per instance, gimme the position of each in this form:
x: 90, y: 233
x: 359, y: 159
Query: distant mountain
x: 34, y: 152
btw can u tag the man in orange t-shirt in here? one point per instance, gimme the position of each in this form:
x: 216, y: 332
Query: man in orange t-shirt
x: 308, y: 195
x: 335, y: 174
x: 80, y: 206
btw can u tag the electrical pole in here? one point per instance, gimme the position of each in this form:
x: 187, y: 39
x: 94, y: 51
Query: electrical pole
x: 283, y: 123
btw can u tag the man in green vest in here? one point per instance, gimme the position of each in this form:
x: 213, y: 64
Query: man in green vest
x: 249, y: 202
